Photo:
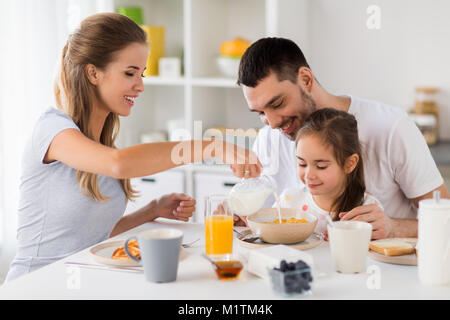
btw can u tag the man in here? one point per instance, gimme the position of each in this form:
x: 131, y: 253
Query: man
x: 279, y: 85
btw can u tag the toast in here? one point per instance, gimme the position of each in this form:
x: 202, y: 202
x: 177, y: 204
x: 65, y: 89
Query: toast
x: 394, y: 246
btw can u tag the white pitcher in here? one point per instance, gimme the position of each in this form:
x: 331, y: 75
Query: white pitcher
x: 249, y: 195
x: 434, y: 241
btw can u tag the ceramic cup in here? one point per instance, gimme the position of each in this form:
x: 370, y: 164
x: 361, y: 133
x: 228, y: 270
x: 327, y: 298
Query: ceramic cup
x: 349, y: 244
x: 160, y: 252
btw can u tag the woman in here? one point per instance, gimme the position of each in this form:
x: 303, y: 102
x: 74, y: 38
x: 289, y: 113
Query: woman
x: 75, y: 182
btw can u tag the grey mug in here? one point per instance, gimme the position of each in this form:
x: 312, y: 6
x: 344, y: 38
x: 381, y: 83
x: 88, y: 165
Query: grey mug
x: 160, y: 252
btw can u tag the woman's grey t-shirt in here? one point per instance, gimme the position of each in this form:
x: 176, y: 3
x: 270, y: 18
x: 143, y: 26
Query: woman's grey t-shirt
x: 55, y: 219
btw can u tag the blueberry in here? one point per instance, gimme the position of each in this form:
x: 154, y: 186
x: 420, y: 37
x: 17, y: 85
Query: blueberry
x: 291, y: 266
x: 283, y: 265
x: 300, y: 265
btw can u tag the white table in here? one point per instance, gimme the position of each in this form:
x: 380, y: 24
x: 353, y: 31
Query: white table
x: 197, y: 280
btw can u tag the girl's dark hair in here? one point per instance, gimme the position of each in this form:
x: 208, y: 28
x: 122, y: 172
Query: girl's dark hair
x: 339, y: 130
x: 278, y: 55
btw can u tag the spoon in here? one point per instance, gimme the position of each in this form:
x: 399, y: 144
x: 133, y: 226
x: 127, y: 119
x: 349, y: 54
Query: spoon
x: 189, y: 244
x: 250, y: 237
x: 210, y: 260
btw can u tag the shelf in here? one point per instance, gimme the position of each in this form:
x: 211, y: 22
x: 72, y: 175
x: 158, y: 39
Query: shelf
x: 215, y: 82
x: 165, y: 81
x: 199, y: 82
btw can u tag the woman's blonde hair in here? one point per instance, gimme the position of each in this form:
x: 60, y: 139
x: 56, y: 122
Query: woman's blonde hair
x: 95, y: 42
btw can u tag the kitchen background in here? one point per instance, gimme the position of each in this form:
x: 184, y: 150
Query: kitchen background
x: 391, y: 51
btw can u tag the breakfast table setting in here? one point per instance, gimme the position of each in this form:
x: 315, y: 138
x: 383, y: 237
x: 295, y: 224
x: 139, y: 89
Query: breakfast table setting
x: 196, y: 278
x: 277, y: 256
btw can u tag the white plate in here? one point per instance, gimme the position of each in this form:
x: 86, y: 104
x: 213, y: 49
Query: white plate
x: 102, y: 253
x: 312, y: 242
x: 407, y: 259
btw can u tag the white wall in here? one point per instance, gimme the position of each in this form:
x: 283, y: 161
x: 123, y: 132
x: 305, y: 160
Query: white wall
x: 411, y: 48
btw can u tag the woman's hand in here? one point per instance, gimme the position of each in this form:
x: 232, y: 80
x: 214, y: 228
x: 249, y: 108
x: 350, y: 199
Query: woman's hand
x: 177, y: 206
x: 243, y: 163
x: 246, y: 170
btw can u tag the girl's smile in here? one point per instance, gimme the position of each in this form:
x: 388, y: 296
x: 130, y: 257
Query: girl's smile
x: 319, y: 170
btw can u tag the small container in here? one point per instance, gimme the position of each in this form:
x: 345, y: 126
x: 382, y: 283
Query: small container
x: 228, y: 270
x: 425, y: 101
x: 289, y: 283
x: 169, y: 67
x: 134, y: 13
x: 427, y: 124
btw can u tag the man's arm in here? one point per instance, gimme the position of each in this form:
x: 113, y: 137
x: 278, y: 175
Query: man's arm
x: 406, y: 228
x: 442, y: 189
x: 386, y: 227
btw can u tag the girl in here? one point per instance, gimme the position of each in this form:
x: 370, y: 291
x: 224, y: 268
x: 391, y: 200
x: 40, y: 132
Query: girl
x: 75, y: 182
x: 330, y: 166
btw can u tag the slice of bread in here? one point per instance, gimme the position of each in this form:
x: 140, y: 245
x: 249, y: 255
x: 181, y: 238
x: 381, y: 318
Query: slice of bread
x: 393, y: 246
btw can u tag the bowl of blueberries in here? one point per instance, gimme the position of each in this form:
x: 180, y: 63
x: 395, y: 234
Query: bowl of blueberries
x: 291, y: 278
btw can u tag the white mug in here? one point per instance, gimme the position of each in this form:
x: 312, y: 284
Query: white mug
x: 433, y: 247
x: 349, y: 244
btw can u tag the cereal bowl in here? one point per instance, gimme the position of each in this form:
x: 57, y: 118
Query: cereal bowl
x: 262, y: 224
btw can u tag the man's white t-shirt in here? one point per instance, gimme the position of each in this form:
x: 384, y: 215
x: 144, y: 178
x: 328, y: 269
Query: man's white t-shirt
x: 398, y: 165
x: 300, y: 198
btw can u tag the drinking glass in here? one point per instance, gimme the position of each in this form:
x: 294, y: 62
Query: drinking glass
x: 218, y: 227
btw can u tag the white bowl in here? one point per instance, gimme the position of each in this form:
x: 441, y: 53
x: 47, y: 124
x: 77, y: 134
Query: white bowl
x: 229, y: 66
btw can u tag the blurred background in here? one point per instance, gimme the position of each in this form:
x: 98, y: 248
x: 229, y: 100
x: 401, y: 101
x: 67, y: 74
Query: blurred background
x: 395, y: 52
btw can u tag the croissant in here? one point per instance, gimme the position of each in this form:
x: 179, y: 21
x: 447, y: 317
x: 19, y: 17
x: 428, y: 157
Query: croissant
x: 133, y: 248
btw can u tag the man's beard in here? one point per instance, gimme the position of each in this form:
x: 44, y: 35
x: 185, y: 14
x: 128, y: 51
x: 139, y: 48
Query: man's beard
x: 309, y: 106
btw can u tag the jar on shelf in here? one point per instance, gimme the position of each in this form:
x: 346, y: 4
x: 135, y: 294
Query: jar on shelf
x: 427, y: 124
x: 425, y: 101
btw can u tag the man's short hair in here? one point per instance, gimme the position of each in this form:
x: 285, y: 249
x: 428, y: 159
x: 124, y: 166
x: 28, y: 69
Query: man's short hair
x: 278, y: 55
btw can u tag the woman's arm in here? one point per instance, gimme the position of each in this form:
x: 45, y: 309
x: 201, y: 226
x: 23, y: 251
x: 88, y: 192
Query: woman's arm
x: 79, y: 152
x: 176, y: 206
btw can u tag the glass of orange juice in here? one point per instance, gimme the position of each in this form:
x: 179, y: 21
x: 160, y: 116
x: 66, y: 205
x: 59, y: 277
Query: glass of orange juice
x: 218, y: 227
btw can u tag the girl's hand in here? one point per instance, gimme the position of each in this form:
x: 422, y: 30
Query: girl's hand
x: 177, y: 206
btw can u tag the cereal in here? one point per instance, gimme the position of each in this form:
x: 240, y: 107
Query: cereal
x: 290, y: 220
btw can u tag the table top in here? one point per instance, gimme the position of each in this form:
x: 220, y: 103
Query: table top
x: 196, y: 279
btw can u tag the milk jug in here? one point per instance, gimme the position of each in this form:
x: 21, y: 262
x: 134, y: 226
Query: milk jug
x: 249, y: 195
x: 433, y: 256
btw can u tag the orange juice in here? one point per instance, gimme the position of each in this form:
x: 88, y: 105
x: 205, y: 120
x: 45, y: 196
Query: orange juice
x: 219, y: 234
